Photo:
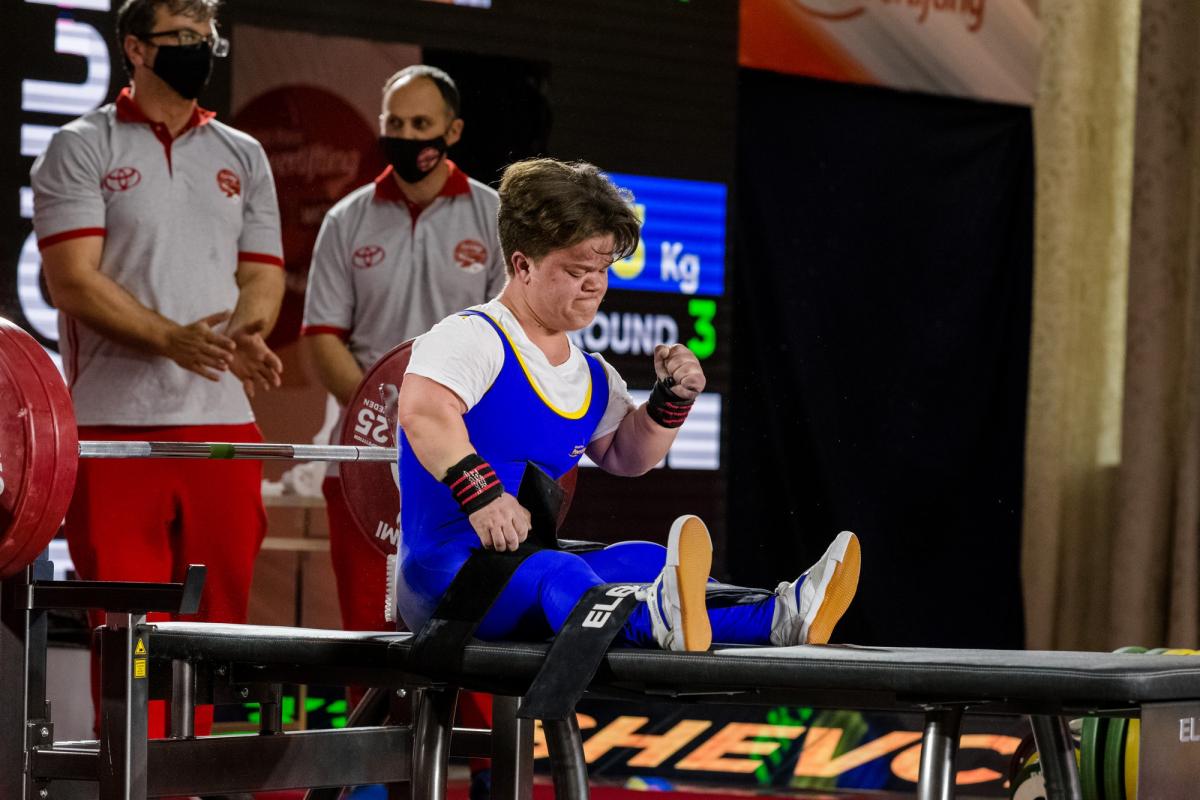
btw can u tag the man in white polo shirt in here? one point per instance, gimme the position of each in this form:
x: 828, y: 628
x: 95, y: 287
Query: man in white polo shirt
x: 392, y: 258
x: 160, y: 241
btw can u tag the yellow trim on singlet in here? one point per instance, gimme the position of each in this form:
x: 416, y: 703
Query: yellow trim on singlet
x: 587, y: 398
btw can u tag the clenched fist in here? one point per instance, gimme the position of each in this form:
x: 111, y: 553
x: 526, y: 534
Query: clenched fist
x: 679, y: 367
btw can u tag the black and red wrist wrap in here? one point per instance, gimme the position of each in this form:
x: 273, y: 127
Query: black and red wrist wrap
x: 665, y: 408
x: 473, y: 483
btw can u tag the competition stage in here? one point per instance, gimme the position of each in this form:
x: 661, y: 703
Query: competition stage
x: 403, y: 732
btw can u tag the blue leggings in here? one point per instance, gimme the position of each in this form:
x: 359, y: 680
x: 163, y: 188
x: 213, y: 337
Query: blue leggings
x: 547, y: 585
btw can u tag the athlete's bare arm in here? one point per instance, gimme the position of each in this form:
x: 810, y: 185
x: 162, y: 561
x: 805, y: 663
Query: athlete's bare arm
x: 432, y: 418
x: 640, y: 442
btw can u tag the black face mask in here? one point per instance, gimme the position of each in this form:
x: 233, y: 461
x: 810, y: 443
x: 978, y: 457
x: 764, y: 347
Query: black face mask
x: 413, y: 159
x: 185, y: 68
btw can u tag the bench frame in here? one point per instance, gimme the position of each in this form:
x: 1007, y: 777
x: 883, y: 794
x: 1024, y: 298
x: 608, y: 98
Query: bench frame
x: 401, y: 733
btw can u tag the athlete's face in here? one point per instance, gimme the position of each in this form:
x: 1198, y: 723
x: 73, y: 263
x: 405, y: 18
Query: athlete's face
x: 565, y: 286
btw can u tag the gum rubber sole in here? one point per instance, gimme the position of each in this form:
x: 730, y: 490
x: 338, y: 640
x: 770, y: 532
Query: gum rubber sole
x: 838, y: 594
x: 691, y: 574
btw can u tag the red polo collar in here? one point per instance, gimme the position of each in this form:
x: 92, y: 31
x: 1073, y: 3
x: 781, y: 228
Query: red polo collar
x: 388, y: 191
x: 129, y: 111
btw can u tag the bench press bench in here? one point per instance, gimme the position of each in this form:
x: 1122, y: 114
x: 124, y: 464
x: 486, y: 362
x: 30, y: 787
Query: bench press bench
x: 1050, y: 687
x: 202, y: 662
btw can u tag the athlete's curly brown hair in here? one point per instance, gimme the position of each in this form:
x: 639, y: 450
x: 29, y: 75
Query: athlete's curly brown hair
x: 546, y: 205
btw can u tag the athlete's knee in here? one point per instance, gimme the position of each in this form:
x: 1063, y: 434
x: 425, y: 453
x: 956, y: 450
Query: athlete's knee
x: 628, y: 561
x: 558, y: 568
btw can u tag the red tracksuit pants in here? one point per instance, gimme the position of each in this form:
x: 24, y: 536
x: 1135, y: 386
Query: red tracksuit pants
x: 147, y: 519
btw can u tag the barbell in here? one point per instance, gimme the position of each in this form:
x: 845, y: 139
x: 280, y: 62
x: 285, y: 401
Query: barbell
x: 40, y: 449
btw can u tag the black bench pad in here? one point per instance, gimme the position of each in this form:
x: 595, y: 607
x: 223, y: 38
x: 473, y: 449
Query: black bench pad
x: 870, y: 677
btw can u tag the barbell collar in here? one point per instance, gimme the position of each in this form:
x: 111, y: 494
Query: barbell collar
x: 235, y: 451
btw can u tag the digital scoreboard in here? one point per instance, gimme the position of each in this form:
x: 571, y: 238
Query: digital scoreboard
x: 678, y: 273
x: 672, y: 289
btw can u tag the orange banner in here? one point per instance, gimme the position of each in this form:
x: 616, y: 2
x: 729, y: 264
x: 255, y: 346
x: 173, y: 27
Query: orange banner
x: 983, y: 49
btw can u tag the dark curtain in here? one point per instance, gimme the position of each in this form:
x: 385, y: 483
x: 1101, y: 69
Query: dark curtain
x: 505, y: 110
x: 883, y: 276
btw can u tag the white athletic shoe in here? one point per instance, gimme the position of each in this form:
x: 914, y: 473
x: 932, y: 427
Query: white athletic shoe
x: 808, y: 608
x: 678, y: 615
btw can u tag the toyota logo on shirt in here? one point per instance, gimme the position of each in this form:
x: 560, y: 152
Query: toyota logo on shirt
x: 121, y: 179
x: 367, y: 256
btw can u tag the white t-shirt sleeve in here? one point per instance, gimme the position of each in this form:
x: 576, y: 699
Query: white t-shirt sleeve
x: 620, y: 402
x: 462, y: 353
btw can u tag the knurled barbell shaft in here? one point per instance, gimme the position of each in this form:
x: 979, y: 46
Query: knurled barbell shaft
x: 230, y: 450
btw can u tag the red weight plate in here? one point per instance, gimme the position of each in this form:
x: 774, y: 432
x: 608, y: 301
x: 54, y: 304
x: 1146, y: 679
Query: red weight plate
x: 370, y: 488
x: 14, y: 450
x: 567, y: 481
x: 39, y: 449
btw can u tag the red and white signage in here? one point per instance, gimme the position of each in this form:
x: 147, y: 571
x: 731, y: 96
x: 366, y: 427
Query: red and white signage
x: 982, y: 49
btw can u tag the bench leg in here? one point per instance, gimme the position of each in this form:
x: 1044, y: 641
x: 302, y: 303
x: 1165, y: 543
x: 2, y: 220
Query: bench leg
x: 567, y: 764
x: 123, y: 703
x: 512, y: 751
x: 1057, y: 753
x: 23, y: 688
x: 183, y: 700
x: 431, y: 743
x: 939, y: 748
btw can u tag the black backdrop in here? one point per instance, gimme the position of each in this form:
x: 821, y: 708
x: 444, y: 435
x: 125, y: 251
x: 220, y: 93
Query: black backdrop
x: 883, y: 273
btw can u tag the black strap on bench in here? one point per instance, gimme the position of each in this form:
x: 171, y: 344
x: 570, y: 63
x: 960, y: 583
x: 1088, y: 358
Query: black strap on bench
x: 438, y: 646
x: 578, y: 650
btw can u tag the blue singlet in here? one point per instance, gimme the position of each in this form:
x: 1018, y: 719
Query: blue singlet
x: 513, y: 423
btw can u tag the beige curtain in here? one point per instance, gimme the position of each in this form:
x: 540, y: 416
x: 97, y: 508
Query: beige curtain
x: 1083, y: 119
x: 1153, y: 593
x: 1112, y: 502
